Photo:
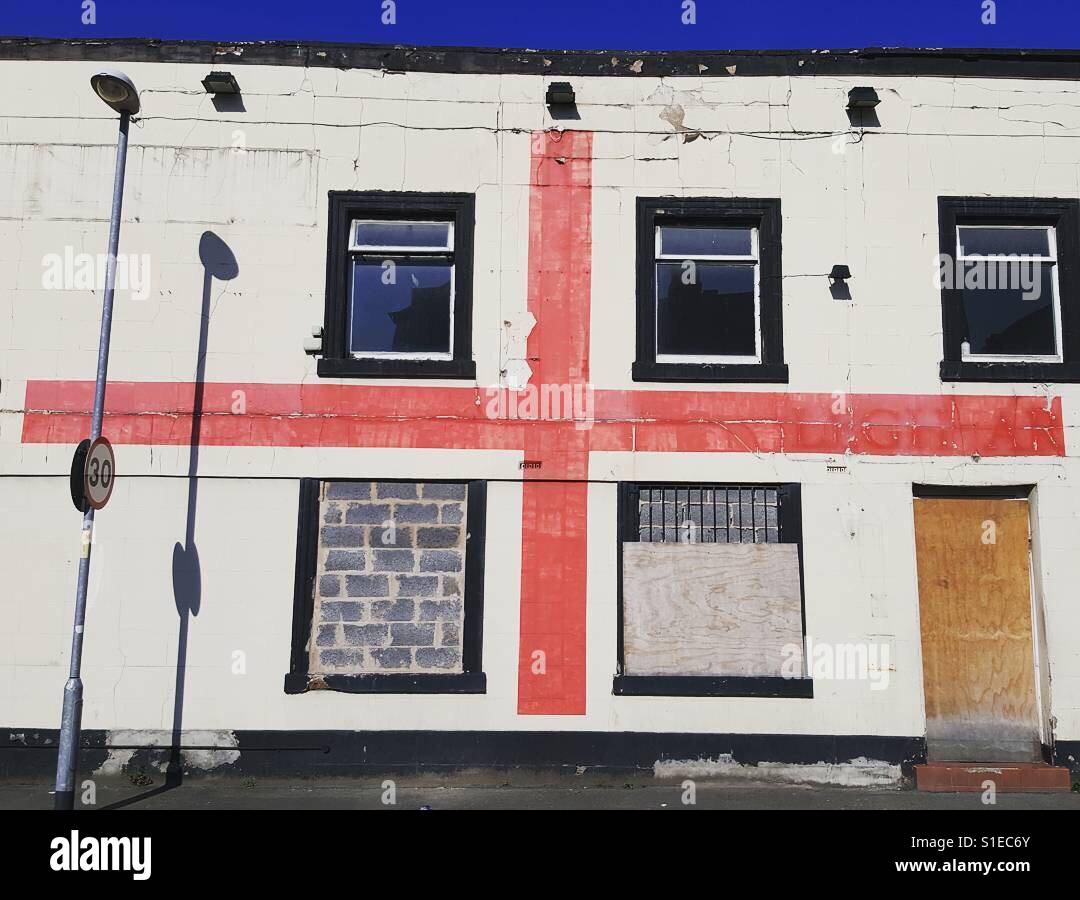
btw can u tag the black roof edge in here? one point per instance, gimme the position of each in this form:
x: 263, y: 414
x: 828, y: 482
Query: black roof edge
x: 896, y: 61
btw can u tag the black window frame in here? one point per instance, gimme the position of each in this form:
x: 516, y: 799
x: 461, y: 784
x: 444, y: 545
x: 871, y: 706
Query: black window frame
x: 762, y: 214
x: 344, y: 207
x: 1064, y: 216
x: 472, y: 680
x: 627, y: 531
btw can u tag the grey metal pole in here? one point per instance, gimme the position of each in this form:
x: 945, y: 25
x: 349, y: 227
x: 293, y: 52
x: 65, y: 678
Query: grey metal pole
x: 71, y: 719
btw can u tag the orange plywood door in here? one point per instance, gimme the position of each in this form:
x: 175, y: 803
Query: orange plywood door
x: 975, y: 619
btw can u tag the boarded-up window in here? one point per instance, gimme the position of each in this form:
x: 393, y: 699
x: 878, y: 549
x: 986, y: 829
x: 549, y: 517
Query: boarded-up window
x: 711, y: 580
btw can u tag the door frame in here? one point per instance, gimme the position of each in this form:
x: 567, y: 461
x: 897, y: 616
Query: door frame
x: 1028, y: 492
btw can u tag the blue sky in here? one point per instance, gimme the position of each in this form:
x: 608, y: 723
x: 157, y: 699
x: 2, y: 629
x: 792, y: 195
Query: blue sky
x: 568, y: 24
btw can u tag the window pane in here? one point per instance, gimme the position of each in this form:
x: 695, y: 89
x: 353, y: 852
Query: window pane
x: 1015, y: 318
x: 692, y: 241
x: 432, y: 235
x: 1004, y: 241
x: 712, y: 315
x: 409, y: 315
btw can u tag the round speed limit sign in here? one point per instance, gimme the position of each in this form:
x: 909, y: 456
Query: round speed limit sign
x: 99, y: 473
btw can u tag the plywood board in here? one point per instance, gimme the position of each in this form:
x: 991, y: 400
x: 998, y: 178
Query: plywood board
x: 711, y: 609
x: 975, y: 620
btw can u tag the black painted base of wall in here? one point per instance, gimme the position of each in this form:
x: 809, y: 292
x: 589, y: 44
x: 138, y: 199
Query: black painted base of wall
x: 29, y: 752
x: 32, y: 752
x: 1067, y: 753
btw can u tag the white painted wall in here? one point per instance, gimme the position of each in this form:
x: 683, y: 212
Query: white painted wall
x: 259, y: 180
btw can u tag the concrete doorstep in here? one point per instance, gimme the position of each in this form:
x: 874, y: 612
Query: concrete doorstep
x: 1013, y: 778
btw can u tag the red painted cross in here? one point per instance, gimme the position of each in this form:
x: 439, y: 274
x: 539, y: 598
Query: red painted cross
x: 551, y: 659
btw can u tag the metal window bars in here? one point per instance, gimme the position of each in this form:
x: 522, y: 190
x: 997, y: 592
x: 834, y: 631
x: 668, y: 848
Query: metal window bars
x: 708, y: 514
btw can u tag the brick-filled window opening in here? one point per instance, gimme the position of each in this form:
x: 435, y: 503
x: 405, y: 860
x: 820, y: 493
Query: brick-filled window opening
x: 721, y: 514
x: 710, y: 590
x: 388, y: 593
x: 391, y: 585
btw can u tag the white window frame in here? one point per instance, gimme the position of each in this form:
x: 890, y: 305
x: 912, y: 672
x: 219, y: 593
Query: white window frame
x: 1051, y: 260
x: 754, y: 259
x: 355, y: 247
x: 372, y: 251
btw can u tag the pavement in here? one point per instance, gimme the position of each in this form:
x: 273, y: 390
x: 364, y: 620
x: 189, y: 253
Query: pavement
x: 489, y: 789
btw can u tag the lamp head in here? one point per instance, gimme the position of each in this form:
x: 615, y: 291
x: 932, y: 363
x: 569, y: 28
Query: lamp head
x: 116, y: 90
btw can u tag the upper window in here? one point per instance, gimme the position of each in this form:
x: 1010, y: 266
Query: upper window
x: 399, y: 289
x: 709, y: 299
x: 1008, y: 275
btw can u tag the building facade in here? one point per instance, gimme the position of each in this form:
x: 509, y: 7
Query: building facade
x: 596, y: 455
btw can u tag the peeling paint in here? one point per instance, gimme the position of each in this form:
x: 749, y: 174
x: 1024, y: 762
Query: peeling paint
x: 115, y: 763
x: 515, y: 370
x: 205, y: 750
x: 858, y: 772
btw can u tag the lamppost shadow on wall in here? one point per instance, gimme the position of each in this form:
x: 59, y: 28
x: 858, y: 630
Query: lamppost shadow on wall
x: 218, y: 263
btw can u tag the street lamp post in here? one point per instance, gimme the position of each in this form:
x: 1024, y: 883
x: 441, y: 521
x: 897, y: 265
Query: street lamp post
x: 118, y: 91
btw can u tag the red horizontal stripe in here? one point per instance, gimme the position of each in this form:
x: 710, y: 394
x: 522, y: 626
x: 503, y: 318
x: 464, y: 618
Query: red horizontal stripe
x: 335, y: 415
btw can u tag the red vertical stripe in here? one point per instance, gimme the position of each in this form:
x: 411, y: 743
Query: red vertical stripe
x: 551, y: 663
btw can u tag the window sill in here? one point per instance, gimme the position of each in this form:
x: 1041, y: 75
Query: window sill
x: 396, y: 368
x: 768, y: 373
x: 711, y: 686
x: 460, y: 683
x: 1034, y: 373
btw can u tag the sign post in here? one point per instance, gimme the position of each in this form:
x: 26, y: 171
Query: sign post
x: 115, y: 89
